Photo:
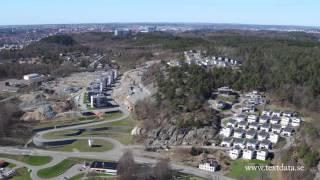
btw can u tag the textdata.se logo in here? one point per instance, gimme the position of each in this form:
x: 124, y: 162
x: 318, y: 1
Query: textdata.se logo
x: 281, y: 167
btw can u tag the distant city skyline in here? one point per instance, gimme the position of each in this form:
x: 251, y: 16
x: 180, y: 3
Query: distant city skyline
x: 262, y: 12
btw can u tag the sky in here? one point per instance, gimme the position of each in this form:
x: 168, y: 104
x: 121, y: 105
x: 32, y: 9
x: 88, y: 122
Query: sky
x: 271, y: 12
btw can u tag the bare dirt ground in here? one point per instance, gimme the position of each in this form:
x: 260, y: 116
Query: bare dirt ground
x: 130, y: 88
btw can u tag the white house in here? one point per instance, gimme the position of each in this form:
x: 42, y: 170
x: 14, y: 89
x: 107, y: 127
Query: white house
x: 277, y: 113
x: 234, y: 153
x: 264, y: 119
x: 275, y: 120
x: 240, y: 143
x: 295, y: 121
x: 276, y: 128
x: 251, y: 134
x: 247, y: 154
x: 209, y: 165
x: 238, y: 133
x: 285, y: 121
x: 287, y: 131
x: 243, y: 125
x: 226, y: 132
x: 274, y: 138
x: 262, y: 135
x: 288, y: 114
x: 265, y: 127
x: 262, y: 155
x: 240, y: 117
x: 233, y: 123
x: 226, y: 142
x: 266, y: 112
x: 254, y: 126
x: 252, y: 118
x: 252, y: 144
x: 265, y: 144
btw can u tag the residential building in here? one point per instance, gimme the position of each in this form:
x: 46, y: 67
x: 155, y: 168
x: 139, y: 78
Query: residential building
x: 240, y: 117
x: 232, y: 123
x: 262, y: 155
x: 287, y: 131
x: 274, y: 138
x: 288, y: 114
x: 252, y: 144
x: 265, y: 127
x: 277, y: 113
x: 254, y: 125
x: 251, y: 134
x: 235, y: 153
x: 247, y: 154
x: 295, y: 121
x: 266, y: 112
x: 276, y: 128
x: 239, y: 143
x: 226, y: 132
x: 262, y: 135
x: 243, y: 125
x: 252, y: 118
x: 275, y: 120
x: 226, y: 142
x: 238, y: 133
x: 209, y: 165
x: 285, y: 121
x: 99, y: 101
x: 264, y: 119
x: 265, y: 144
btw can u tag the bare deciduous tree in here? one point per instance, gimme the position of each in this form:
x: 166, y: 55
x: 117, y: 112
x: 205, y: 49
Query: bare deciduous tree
x: 162, y: 170
x: 127, y: 168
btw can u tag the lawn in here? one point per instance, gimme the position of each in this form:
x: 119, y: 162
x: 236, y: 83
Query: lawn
x: 82, y: 146
x: 238, y: 171
x: 77, y: 177
x: 32, y: 160
x: 57, y: 169
x: 181, y: 176
x: 22, y: 174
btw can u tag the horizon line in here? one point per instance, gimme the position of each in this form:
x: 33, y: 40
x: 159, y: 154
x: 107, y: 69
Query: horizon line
x: 162, y: 22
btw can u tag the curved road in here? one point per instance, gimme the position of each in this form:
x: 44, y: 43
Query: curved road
x: 114, y: 154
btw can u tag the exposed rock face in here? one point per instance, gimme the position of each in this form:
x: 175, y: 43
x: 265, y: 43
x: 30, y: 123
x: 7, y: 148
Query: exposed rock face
x: 170, y: 135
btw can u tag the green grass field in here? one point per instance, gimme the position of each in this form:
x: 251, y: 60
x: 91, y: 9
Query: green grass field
x: 57, y: 169
x: 32, y: 160
x: 238, y: 171
x: 22, y: 174
x: 82, y: 146
x: 77, y: 177
x: 122, y: 135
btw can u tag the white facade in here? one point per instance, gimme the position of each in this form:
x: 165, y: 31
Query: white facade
x: 262, y: 136
x: 226, y: 132
x: 252, y: 118
x: 274, y: 138
x: 262, y: 155
x: 208, y: 166
x: 240, y: 118
x: 247, y: 154
x: 295, y: 122
x: 234, y: 153
x: 238, y: 133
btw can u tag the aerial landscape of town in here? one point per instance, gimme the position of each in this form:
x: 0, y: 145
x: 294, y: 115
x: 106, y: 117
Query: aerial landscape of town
x: 159, y: 100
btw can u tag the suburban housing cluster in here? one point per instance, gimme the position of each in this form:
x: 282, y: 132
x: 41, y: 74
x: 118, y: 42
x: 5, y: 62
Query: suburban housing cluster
x: 198, y: 58
x: 252, y: 136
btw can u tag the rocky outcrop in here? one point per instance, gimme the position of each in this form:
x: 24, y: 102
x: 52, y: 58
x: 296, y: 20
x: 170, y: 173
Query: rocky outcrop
x: 171, y: 135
